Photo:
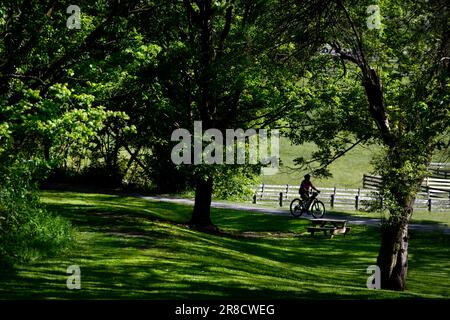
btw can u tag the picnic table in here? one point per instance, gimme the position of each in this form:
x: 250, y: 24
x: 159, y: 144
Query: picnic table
x: 329, y: 226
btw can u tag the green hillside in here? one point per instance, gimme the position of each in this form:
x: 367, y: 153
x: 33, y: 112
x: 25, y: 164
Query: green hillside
x: 347, y: 171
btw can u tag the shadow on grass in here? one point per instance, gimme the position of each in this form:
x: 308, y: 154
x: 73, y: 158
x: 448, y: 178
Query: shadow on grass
x: 127, y: 250
x: 438, y: 219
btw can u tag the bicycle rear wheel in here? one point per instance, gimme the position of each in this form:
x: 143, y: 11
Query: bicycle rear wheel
x: 296, y: 207
x: 318, y: 209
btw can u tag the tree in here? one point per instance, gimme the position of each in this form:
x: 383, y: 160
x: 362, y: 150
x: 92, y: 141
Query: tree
x: 44, y: 113
x: 38, y: 54
x: 214, y: 61
x: 403, y: 71
x: 221, y: 64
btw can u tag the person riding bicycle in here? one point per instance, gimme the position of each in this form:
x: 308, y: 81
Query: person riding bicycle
x: 305, y: 188
x: 310, y: 205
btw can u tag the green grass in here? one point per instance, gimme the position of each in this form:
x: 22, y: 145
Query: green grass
x: 347, y: 171
x: 130, y: 248
x: 419, y: 217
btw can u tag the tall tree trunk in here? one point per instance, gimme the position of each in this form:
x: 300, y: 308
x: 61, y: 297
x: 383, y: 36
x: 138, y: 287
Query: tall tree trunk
x: 393, y: 253
x: 201, y: 216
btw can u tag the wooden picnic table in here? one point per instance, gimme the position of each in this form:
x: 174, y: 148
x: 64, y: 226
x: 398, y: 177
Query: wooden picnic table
x: 330, y: 226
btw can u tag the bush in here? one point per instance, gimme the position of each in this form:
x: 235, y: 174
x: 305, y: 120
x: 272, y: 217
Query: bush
x: 236, y: 183
x: 27, y: 230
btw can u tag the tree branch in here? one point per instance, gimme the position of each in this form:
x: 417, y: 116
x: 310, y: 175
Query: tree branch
x: 226, y: 29
x: 335, y: 156
x: 363, y: 61
x: 22, y: 76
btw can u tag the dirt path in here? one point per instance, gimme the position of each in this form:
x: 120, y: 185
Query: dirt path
x: 285, y: 212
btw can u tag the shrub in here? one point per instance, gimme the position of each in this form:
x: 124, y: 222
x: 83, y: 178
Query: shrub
x: 236, y: 183
x: 27, y: 230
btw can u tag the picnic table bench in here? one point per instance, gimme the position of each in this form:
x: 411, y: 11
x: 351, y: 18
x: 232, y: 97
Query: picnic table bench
x: 330, y: 226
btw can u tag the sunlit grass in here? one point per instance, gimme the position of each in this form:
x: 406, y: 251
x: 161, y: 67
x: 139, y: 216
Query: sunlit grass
x: 347, y: 171
x: 419, y: 216
x: 130, y: 248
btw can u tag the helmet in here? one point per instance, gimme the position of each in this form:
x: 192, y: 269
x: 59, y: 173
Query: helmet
x: 307, y: 176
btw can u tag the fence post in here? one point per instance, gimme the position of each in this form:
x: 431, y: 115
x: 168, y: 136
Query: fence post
x: 262, y: 191
x: 333, y: 197
x: 429, y: 204
x: 254, y: 198
x: 287, y: 190
x: 281, y: 199
x: 357, y: 199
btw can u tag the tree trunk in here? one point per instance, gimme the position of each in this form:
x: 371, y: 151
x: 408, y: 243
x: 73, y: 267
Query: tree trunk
x: 201, y: 216
x: 393, y: 253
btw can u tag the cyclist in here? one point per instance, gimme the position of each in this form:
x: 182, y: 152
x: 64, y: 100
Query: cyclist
x: 305, y: 187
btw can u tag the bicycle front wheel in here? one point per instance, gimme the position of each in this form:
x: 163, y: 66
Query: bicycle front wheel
x: 296, y: 207
x: 318, y: 209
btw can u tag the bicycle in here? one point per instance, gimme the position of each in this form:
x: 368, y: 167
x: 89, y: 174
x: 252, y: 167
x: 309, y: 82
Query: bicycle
x: 312, y: 206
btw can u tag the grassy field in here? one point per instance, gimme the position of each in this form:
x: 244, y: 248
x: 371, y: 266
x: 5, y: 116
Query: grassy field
x: 347, y: 171
x: 419, y: 216
x: 129, y: 248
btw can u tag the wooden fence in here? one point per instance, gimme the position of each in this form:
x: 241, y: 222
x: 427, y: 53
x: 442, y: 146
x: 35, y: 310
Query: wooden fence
x: 440, y: 170
x: 345, y: 198
x: 434, y: 187
x: 439, y: 179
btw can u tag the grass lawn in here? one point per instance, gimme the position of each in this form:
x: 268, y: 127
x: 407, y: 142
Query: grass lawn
x: 419, y: 216
x: 347, y: 171
x: 130, y: 248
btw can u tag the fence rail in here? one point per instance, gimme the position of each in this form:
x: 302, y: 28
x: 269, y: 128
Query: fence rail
x: 348, y: 198
x: 440, y: 170
x: 434, y: 187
